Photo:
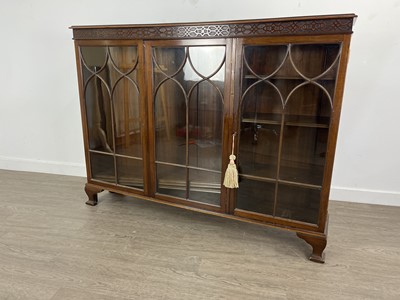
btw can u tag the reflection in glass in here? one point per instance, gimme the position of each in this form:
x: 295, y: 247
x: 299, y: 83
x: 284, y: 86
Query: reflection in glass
x: 124, y: 62
x: 170, y: 124
x: 112, y: 99
x: 130, y: 172
x: 98, y: 114
x: 171, y: 181
x: 205, y: 127
x: 102, y: 167
x: 167, y: 62
x: 205, y: 186
x: 93, y: 58
x: 127, y: 118
x: 215, y: 58
x: 125, y: 94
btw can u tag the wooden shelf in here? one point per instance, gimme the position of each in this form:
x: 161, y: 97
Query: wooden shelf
x: 290, y: 120
x: 283, y: 77
x: 291, y: 173
x: 307, y: 121
x: 127, y: 181
x: 194, y: 186
x: 281, y: 181
x: 258, y: 121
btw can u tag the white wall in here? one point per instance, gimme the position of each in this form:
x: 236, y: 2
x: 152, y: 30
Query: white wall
x: 40, y: 126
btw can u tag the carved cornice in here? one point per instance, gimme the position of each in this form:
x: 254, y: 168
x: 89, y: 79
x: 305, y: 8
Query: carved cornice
x: 270, y: 27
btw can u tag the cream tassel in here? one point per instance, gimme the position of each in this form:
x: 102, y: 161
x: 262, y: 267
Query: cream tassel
x: 231, y: 175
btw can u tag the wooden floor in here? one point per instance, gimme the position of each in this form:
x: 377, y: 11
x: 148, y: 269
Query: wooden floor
x: 53, y: 246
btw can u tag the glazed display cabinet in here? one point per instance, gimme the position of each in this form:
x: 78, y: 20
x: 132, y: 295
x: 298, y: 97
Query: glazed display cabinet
x: 163, y: 106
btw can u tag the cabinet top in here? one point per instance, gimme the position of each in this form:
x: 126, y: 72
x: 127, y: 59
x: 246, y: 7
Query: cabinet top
x: 308, y: 25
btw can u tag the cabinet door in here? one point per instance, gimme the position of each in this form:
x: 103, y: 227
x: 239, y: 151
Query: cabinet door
x: 188, y: 105
x: 284, y: 115
x: 112, y: 109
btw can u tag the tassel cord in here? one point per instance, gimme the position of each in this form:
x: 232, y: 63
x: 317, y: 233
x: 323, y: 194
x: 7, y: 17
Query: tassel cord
x: 231, y: 179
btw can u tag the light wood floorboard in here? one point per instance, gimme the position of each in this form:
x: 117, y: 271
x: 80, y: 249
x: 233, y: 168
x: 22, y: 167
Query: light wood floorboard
x: 53, y: 246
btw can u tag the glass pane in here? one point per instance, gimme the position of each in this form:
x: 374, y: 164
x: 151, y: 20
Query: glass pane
x: 261, y: 112
x: 204, y: 186
x: 168, y: 62
x: 263, y: 60
x: 112, y: 106
x: 123, y: 66
x: 171, y: 181
x: 93, y: 59
x: 98, y: 114
x: 260, y: 130
x: 102, y: 167
x: 261, y: 101
x: 256, y: 196
x: 297, y: 203
x: 294, y: 83
x: 112, y: 98
x: 303, y: 154
x: 308, y: 104
x: 170, y: 124
x: 215, y: 58
x: 127, y: 118
x: 258, y: 151
x: 189, y: 107
x: 170, y: 104
x: 205, y: 127
x: 130, y: 172
x: 305, y: 135
x: 312, y: 60
x: 124, y: 62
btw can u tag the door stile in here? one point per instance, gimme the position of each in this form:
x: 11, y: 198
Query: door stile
x: 148, y: 76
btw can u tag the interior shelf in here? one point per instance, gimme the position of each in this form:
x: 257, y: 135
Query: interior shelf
x: 290, y: 120
x: 304, y: 175
x: 283, y: 77
x: 126, y: 181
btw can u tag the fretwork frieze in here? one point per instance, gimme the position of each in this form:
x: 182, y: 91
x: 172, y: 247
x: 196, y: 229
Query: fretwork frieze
x: 275, y: 28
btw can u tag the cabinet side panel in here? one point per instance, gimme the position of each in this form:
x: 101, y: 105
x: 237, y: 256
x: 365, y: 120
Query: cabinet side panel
x: 83, y: 110
x: 333, y: 132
